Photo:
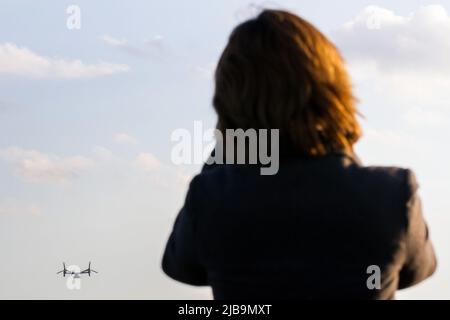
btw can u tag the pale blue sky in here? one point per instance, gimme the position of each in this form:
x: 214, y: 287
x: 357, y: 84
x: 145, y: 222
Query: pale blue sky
x: 85, y: 147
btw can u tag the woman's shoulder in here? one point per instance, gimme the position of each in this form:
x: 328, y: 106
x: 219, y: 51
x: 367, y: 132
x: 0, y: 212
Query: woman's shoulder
x: 398, y: 180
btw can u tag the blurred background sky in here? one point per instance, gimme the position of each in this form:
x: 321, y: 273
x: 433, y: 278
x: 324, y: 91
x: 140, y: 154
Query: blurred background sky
x: 86, y: 117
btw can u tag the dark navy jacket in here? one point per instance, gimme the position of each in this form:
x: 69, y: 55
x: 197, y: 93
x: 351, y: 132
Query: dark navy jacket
x: 318, y: 229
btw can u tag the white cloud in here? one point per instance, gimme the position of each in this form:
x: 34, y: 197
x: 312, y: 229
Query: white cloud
x: 161, y: 174
x: 154, y: 47
x: 415, y: 43
x: 21, y: 61
x: 114, y: 42
x: 400, y: 61
x: 124, y: 138
x: 36, y: 166
x: 147, y: 161
x: 102, y: 153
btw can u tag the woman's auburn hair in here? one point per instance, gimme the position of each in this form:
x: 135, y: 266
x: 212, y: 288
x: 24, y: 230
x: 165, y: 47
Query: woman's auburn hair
x: 279, y: 72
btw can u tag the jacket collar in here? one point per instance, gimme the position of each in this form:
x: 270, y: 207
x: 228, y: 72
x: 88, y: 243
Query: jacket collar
x: 350, y: 155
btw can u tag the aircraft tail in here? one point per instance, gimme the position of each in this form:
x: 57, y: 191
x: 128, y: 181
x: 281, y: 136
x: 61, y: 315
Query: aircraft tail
x: 91, y: 270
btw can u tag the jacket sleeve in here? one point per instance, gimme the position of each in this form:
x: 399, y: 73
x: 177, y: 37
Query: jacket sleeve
x: 180, y: 260
x: 420, y: 262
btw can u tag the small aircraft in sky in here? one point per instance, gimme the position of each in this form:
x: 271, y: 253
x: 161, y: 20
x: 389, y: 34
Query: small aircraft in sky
x: 75, y: 274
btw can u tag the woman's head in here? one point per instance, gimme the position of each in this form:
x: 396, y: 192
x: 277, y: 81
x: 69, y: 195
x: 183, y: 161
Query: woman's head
x: 280, y: 72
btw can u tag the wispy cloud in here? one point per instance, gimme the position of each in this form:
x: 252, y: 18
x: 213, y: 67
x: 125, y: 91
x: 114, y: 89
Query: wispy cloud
x: 114, y: 42
x: 21, y: 61
x: 147, y: 161
x: 206, y: 71
x: 160, y: 173
x: 35, y: 166
x: 124, y: 138
x: 102, y: 153
x: 151, y: 48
